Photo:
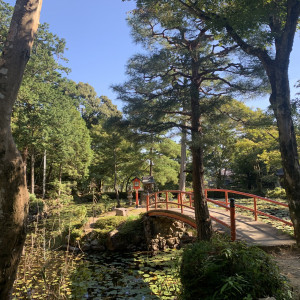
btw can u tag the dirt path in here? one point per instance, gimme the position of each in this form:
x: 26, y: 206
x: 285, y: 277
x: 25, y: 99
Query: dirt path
x: 289, y: 265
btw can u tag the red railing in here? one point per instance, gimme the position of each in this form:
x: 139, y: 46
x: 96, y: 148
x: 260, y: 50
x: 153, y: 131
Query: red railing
x: 255, y: 198
x: 162, y: 198
x: 184, y: 200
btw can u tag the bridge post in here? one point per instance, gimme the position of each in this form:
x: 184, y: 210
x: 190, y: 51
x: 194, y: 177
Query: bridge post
x: 178, y: 199
x: 181, y: 203
x: 155, y: 196
x: 232, y: 219
x: 226, y: 198
x: 167, y: 200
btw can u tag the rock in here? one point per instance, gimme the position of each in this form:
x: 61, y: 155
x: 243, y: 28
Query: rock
x: 98, y: 248
x: 121, y: 212
x: 171, y: 242
x: 95, y: 243
x: 86, y: 247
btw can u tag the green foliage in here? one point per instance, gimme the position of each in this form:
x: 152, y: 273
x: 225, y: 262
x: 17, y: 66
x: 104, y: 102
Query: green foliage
x: 110, y: 222
x: 62, y: 191
x: 36, y: 205
x: 277, y: 193
x: 226, y: 270
x: 131, y: 228
x: 72, y: 223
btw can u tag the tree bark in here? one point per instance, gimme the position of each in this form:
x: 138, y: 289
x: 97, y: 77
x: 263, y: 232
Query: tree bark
x: 59, y: 179
x: 116, y: 179
x: 44, y: 173
x: 182, y: 175
x: 32, y: 171
x: 13, y: 189
x: 280, y: 102
x: 203, y: 221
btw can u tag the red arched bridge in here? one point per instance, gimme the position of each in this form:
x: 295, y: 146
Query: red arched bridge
x: 222, y: 207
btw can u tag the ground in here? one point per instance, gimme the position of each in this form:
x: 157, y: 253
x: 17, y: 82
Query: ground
x: 289, y: 264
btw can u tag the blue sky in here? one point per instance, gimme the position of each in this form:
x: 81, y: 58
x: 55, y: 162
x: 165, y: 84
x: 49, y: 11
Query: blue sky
x: 99, y: 42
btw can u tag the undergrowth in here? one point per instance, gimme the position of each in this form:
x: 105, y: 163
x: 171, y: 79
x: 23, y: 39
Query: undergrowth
x: 224, y: 270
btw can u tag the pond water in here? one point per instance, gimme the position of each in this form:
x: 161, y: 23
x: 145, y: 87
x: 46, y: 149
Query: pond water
x: 58, y: 275
x: 127, y: 276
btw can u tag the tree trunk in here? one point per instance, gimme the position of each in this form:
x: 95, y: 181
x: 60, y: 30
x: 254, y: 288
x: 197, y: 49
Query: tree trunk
x: 59, y: 179
x: 44, y: 173
x: 151, y: 162
x: 116, y: 180
x: 100, y: 186
x: 203, y: 221
x: 13, y: 195
x: 280, y: 102
x: 182, y: 175
x: 32, y: 171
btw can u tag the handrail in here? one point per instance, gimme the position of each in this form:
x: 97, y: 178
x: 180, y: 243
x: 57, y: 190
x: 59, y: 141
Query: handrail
x: 255, y: 198
x: 180, y: 204
x: 189, y: 205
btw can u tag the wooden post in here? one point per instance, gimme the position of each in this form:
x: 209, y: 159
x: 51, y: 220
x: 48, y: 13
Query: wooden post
x: 226, y: 198
x: 232, y: 220
x: 190, y: 200
x: 178, y: 199
x: 155, y: 195
x: 167, y: 200
x: 136, y: 198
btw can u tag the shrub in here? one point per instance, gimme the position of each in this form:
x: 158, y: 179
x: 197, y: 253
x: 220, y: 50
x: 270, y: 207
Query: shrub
x: 132, y: 228
x: 129, y: 228
x: 277, y: 193
x: 65, y: 190
x: 225, y: 270
x: 109, y: 223
x: 35, y: 205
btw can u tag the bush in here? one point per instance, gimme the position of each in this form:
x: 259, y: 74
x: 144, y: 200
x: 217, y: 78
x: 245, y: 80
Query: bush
x: 132, y: 228
x: 36, y: 205
x: 73, y: 221
x: 129, y: 228
x: 277, y: 193
x: 65, y: 190
x: 225, y: 270
x: 109, y: 223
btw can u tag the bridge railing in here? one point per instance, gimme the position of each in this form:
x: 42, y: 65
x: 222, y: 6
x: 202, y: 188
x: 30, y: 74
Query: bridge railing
x: 185, y: 201
x: 255, y: 200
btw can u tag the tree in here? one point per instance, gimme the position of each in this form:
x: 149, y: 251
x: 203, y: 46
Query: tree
x: 184, y: 61
x: 265, y: 30
x: 14, y: 195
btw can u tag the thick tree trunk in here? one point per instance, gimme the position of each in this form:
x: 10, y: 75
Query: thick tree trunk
x: 203, y: 221
x: 280, y: 102
x: 182, y: 175
x: 13, y: 190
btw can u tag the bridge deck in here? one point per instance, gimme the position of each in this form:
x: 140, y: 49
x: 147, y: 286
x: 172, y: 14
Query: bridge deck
x: 248, y: 230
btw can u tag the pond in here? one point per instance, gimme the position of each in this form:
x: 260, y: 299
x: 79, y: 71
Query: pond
x: 58, y: 275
